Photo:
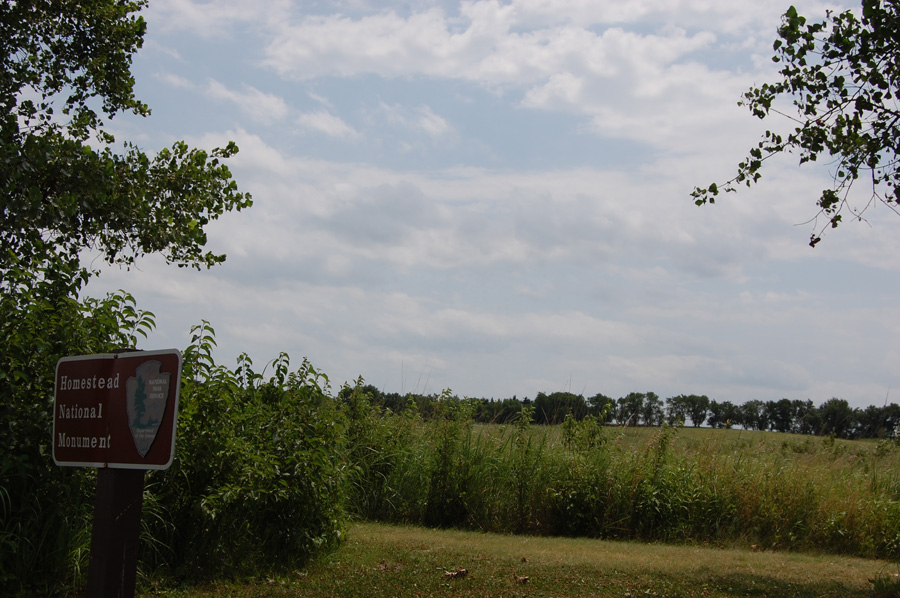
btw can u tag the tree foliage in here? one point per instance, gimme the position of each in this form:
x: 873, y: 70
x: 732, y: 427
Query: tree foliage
x: 64, y: 73
x: 552, y: 408
x: 843, y: 78
x: 67, y: 187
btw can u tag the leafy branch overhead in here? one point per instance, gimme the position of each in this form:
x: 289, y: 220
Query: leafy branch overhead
x: 842, y: 76
x: 64, y: 73
x: 67, y: 188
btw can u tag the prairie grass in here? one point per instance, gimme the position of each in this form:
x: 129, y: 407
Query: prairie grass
x: 724, y: 488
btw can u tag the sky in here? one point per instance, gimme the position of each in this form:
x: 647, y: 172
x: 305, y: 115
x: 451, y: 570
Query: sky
x: 494, y: 198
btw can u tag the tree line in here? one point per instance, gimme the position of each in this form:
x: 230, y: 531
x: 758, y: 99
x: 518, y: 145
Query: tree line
x: 833, y: 417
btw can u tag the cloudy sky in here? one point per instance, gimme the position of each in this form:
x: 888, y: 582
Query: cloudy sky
x: 494, y: 197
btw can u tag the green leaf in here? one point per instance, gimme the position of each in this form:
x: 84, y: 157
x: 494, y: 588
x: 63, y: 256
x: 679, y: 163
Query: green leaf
x: 840, y: 75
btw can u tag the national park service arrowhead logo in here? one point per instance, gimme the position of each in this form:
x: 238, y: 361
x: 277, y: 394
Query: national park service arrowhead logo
x: 146, y: 394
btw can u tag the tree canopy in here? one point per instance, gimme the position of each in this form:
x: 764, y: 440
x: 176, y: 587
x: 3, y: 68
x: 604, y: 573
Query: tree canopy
x: 64, y: 186
x: 842, y: 76
x: 68, y: 187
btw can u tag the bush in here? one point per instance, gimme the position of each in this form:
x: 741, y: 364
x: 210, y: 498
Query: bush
x: 257, y: 479
x: 45, y: 510
x: 36, y: 330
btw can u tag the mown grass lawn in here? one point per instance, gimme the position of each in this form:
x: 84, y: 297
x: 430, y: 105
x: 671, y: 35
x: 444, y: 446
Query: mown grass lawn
x: 382, y: 560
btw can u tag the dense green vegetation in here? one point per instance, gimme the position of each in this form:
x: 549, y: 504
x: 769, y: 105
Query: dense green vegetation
x: 257, y: 481
x: 833, y: 417
x: 666, y: 484
x: 271, y: 467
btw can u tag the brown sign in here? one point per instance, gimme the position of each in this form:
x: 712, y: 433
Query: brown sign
x: 117, y: 410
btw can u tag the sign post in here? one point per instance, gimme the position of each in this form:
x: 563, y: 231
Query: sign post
x: 116, y: 412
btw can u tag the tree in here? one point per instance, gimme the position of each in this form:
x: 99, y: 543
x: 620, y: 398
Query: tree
x: 753, y: 415
x: 698, y: 409
x: 602, y: 406
x: 552, y: 409
x: 676, y: 410
x: 66, y: 188
x: 694, y: 406
x: 842, y: 75
x: 652, y: 412
x: 63, y: 188
x: 629, y: 408
x: 837, y: 417
x: 780, y: 415
x: 806, y: 417
x: 724, y: 414
x: 877, y: 422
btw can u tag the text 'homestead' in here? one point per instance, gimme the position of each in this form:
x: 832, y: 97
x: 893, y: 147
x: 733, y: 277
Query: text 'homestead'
x: 116, y: 410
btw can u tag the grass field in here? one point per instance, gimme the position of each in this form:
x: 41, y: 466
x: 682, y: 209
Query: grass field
x: 382, y: 560
x: 790, y: 511
x: 727, y: 488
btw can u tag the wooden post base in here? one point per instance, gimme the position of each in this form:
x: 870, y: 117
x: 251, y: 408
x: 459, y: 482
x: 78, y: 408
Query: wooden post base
x: 114, y: 540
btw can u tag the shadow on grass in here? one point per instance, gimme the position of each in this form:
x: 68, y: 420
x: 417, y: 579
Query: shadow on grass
x: 749, y: 584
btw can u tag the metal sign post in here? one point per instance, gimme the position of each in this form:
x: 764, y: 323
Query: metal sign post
x: 116, y: 412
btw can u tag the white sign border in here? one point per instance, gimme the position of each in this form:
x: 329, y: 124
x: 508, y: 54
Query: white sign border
x: 99, y: 356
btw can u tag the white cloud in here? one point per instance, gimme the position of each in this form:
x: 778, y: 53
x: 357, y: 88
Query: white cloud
x: 586, y: 58
x: 420, y: 119
x: 410, y: 257
x: 264, y: 108
x: 325, y: 122
x: 176, y: 81
x: 488, y: 51
x: 560, y: 90
x: 563, y: 65
x: 208, y: 19
x: 431, y: 123
x: 321, y: 100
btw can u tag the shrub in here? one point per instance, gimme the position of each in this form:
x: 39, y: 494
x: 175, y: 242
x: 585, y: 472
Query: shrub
x: 257, y: 479
x: 45, y: 510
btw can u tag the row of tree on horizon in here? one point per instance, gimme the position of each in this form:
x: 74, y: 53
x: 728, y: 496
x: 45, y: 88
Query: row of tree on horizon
x: 834, y: 417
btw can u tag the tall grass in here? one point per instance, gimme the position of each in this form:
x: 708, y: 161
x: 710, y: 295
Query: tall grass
x: 45, y: 527
x: 716, y: 487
